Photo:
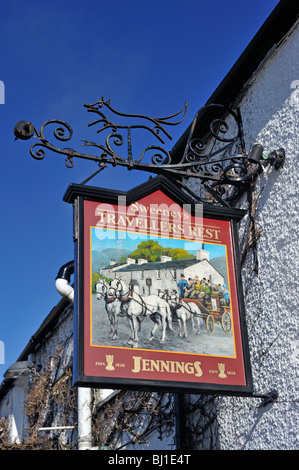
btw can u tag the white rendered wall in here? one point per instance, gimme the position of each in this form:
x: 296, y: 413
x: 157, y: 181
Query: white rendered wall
x: 270, y: 113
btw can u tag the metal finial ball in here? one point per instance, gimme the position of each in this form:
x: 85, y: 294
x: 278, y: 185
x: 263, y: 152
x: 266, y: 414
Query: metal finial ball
x: 23, y: 130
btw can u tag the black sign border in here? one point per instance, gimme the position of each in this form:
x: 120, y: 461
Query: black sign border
x: 76, y: 194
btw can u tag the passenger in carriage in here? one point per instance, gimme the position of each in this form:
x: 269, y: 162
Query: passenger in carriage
x: 210, y: 285
x: 219, y: 290
x: 190, y: 288
x: 226, y: 294
x: 200, y: 290
x: 195, y: 288
x: 205, y: 291
x: 205, y: 286
x: 220, y: 293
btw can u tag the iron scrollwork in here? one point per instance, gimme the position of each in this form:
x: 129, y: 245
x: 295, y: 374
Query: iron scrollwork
x: 214, y: 151
x: 109, y: 154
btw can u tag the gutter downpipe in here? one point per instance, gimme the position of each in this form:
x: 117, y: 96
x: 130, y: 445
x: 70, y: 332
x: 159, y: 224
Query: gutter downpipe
x: 62, y: 281
x: 84, y: 394
x: 84, y: 419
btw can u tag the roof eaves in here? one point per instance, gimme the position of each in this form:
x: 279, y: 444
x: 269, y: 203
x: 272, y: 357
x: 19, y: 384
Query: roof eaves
x: 160, y: 265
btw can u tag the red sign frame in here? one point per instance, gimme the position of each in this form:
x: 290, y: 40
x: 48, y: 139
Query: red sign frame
x: 215, y: 361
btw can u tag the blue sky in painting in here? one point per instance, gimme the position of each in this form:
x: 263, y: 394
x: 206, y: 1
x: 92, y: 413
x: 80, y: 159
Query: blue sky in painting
x: 104, y: 239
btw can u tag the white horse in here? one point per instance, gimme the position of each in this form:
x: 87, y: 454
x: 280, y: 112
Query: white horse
x: 112, y: 305
x: 185, y: 311
x: 137, y: 307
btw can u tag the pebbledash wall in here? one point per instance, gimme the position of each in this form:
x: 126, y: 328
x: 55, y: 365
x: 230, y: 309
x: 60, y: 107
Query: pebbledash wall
x: 269, y: 107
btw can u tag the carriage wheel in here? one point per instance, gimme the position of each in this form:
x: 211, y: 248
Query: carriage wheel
x: 226, y: 322
x: 210, y: 324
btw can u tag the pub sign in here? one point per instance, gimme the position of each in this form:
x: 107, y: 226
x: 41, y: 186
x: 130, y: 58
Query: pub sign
x: 158, y: 295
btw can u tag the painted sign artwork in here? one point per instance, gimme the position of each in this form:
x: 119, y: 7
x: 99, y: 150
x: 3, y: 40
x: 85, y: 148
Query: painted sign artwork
x: 160, y: 297
x: 177, y: 290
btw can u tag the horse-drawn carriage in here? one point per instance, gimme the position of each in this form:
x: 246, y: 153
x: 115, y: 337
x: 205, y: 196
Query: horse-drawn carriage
x: 213, y: 310
x: 122, y: 300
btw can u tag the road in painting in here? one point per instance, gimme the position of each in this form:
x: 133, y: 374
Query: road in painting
x: 218, y: 343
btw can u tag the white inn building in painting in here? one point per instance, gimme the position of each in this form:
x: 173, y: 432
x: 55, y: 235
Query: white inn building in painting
x: 149, y: 278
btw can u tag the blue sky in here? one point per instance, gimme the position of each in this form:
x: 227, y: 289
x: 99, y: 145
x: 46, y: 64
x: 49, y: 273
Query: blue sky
x: 149, y: 58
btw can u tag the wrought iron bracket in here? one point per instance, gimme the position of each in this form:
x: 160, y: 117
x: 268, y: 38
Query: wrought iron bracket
x: 267, y: 398
x: 214, y: 151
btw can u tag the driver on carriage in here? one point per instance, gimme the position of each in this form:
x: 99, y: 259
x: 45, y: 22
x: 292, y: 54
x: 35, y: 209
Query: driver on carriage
x: 182, y: 285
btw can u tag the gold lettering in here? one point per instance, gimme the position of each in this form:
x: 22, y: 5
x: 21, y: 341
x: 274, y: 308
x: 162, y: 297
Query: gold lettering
x: 172, y: 367
x: 146, y: 365
x: 145, y: 224
x: 198, y: 370
x: 171, y: 228
x: 189, y: 368
x: 111, y: 218
x: 136, y: 368
x: 154, y: 225
x: 209, y: 233
x: 216, y: 234
x: 191, y: 231
x: 121, y: 220
x: 164, y: 366
x: 143, y: 208
x: 134, y: 207
x: 155, y: 365
x: 130, y: 221
x: 180, y: 229
x: 180, y: 367
x: 163, y: 226
x: 102, y: 215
